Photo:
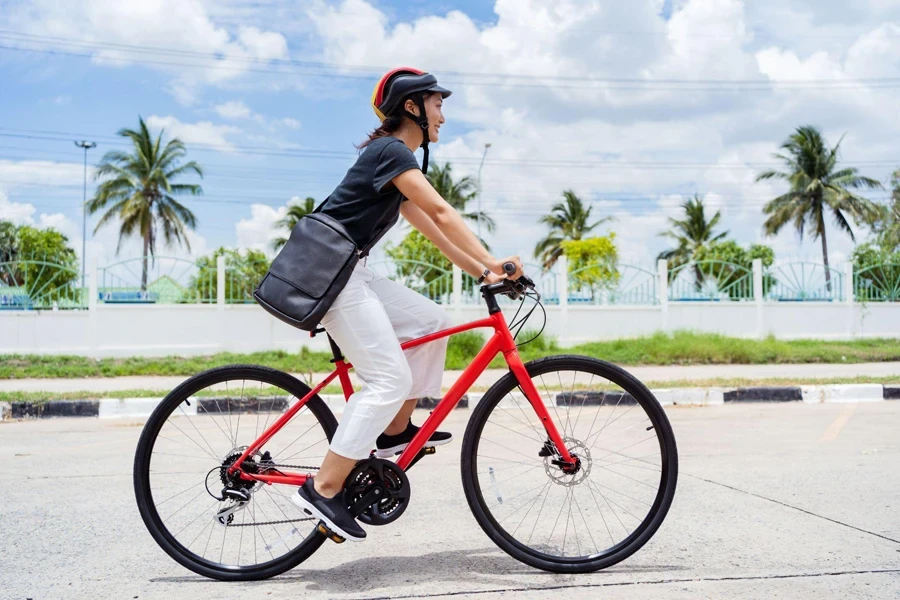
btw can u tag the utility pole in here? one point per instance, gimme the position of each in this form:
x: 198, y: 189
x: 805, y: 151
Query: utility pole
x: 87, y: 146
x: 486, y: 146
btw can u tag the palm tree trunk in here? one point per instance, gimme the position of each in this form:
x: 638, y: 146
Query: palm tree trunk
x: 144, y: 263
x: 825, y: 253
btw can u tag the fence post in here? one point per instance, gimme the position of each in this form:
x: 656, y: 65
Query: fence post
x: 848, y: 298
x: 93, y: 293
x: 93, y: 285
x: 758, y: 295
x: 662, y: 292
x: 562, y: 292
x: 220, y: 281
x: 456, y: 294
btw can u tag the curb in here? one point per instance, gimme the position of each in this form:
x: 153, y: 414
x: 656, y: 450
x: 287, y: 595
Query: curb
x: 110, y: 408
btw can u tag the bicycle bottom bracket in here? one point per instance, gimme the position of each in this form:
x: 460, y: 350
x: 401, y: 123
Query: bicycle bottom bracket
x: 377, y: 491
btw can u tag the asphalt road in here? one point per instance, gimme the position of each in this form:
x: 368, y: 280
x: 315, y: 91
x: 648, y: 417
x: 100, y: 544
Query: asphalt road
x: 774, y: 501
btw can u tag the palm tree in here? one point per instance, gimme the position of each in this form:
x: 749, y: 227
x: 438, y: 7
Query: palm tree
x: 295, y: 212
x: 817, y: 187
x: 568, y: 220
x: 457, y: 193
x: 886, y: 226
x: 141, y: 193
x: 691, y: 234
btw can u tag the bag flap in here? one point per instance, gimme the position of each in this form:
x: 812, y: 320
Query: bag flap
x: 315, y: 254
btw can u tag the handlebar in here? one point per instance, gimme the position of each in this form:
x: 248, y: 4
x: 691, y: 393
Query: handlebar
x: 513, y: 288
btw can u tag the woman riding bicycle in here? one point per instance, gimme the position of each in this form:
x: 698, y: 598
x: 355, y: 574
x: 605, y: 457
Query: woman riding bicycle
x: 372, y: 315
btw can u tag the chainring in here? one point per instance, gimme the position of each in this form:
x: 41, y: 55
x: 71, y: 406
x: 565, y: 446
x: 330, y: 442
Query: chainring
x: 375, y: 473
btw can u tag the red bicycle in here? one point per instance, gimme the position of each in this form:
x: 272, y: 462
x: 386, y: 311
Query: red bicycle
x: 569, y: 463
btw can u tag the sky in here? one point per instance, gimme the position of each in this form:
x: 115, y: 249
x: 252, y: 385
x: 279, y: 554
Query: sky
x: 635, y: 106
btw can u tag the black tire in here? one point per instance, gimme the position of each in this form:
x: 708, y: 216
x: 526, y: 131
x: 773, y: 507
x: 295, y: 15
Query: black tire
x: 480, y: 507
x: 142, y: 472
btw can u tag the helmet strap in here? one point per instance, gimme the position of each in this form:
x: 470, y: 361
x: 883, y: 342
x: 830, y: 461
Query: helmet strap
x: 422, y: 121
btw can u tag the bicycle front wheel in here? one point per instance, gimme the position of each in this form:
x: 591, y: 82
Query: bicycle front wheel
x: 214, y: 526
x: 560, y: 521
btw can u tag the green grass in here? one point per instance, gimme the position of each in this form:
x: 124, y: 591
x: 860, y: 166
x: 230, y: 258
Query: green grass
x: 680, y: 348
x: 40, y: 397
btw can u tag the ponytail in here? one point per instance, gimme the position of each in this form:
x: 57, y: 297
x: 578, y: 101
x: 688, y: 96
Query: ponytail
x: 389, y: 126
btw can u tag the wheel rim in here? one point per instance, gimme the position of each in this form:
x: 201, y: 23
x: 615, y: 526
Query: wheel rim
x: 607, y: 503
x: 212, y: 423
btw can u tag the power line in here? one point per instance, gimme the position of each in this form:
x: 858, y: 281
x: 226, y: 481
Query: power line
x: 505, y: 80
x: 496, y: 162
x: 377, y: 70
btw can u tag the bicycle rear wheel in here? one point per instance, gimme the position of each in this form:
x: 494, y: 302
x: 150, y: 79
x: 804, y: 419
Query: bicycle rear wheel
x: 180, y: 469
x: 570, y: 522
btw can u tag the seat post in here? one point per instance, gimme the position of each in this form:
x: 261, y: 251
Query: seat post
x: 335, y: 350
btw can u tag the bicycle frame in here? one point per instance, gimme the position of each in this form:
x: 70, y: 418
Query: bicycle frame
x: 501, y: 341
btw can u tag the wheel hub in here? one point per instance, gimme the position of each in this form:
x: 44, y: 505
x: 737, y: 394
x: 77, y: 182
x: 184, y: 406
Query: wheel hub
x: 568, y: 474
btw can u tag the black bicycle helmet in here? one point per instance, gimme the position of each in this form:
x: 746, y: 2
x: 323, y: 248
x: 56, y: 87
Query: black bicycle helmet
x: 392, y: 90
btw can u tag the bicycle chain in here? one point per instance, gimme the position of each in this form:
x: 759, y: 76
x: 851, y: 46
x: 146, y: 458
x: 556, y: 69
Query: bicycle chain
x: 271, y: 465
x: 269, y: 522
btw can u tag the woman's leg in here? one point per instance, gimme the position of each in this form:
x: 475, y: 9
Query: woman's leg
x: 358, y: 323
x: 413, y: 315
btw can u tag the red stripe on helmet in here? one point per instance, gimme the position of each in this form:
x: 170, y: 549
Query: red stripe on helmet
x: 379, y: 89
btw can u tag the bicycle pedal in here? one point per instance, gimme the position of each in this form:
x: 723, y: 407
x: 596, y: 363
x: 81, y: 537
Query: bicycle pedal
x: 429, y: 450
x: 324, y: 530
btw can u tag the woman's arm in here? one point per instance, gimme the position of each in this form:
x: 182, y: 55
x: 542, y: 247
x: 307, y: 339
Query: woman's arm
x: 419, y: 192
x: 418, y: 219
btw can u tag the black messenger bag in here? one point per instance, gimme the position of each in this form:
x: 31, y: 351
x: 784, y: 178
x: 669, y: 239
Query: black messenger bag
x: 310, y: 271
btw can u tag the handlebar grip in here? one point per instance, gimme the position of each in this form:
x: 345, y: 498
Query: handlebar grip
x: 509, y: 267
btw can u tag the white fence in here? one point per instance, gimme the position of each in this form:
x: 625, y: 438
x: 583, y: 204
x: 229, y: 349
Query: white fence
x: 186, y: 329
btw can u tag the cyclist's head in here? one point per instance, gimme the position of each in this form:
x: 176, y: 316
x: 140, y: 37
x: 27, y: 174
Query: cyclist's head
x: 407, y: 97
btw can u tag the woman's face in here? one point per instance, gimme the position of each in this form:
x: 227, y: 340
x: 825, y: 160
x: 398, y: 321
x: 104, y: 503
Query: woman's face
x: 433, y: 105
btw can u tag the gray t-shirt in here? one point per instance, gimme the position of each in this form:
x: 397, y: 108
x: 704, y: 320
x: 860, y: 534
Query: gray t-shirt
x: 366, y: 203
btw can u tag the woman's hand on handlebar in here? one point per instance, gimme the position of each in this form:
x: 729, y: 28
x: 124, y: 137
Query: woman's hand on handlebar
x: 496, y: 267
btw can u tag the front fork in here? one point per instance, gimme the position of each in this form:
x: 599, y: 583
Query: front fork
x: 534, y: 398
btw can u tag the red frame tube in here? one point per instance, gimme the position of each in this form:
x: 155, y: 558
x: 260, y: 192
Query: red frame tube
x: 501, y: 341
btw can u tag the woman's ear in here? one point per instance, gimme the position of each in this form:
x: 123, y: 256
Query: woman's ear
x: 411, y: 106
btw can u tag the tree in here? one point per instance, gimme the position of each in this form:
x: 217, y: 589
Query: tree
x: 457, y: 193
x: 243, y: 272
x: 39, y: 259
x: 139, y: 191
x: 728, y: 253
x: 817, y: 186
x: 691, y: 235
x: 295, y: 212
x: 8, y: 245
x: 568, y: 220
x: 416, y: 258
x: 886, y: 226
x: 592, y: 262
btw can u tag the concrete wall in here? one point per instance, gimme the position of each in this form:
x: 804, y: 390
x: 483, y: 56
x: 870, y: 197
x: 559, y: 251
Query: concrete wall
x: 156, y: 330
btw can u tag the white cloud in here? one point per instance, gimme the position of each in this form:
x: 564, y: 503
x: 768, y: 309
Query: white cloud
x: 731, y: 134
x: 15, y: 174
x: 288, y: 122
x: 233, y: 109
x: 16, y: 212
x: 202, y: 132
x: 259, y: 230
x: 184, y: 25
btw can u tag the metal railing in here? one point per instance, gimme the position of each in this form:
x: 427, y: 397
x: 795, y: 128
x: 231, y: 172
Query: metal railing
x: 39, y: 284
x: 714, y: 280
x: 803, y: 282
x: 877, y: 283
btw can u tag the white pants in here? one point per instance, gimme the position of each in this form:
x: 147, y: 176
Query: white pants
x: 369, y: 319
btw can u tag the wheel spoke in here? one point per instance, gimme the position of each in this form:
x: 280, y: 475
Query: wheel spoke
x: 538, y: 502
x: 191, y: 484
